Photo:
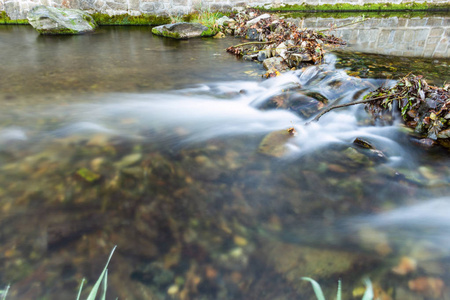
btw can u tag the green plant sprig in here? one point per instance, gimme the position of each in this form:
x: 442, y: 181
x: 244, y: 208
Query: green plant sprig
x: 368, y: 294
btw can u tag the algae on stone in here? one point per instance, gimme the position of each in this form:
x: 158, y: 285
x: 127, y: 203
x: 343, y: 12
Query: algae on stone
x: 182, y: 30
x: 54, y: 21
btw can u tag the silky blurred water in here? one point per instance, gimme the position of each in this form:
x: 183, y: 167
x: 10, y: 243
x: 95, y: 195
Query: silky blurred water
x: 154, y: 145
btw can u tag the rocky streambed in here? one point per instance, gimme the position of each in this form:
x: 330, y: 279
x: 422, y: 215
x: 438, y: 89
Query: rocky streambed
x: 218, y: 190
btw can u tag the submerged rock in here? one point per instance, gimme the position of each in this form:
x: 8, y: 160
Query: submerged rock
x: 182, y: 30
x: 51, y: 20
x: 274, y: 143
x: 274, y: 64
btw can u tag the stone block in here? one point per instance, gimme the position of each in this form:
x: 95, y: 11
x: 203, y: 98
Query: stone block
x: 147, y: 7
x: 83, y: 5
x: 416, y: 22
x: 180, y: 2
x: 409, y: 35
x: 309, y: 23
x: 436, y: 32
x: 133, y: 4
x: 374, y: 22
x: 345, y: 34
x: 117, y: 5
x: 383, y: 37
x: 402, y: 22
x: 412, y: 53
x: 13, y: 10
x: 421, y: 34
x: 215, y: 6
x: 327, y: 1
x: 396, y: 52
x: 433, y: 40
x: 227, y: 8
x: 443, y: 45
x: 399, y: 35
x: 389, y: 22
x: 353, y: 37
x: 367, y: 35
x: 401, y: 46
x: 434, y: 21
x: 428, y: 50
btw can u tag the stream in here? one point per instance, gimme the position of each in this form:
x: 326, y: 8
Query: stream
x: 176, y: 152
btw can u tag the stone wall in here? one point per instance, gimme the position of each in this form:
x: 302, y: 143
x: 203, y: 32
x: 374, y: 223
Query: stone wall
x: 424, y: 37
x: 17, y: 9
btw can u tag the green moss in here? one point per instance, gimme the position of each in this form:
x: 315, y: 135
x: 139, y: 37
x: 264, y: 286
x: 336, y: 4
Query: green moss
x: 370, y: 14
x: 88, y: 175
x: 210, y: 32
x: 4, y: 19
x: 166, y: 33
x: 366, y: 7
x: 57, y: 31
x: 145, y: 19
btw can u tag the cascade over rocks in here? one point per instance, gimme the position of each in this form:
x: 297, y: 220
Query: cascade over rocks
x: 182, y: 30
x: 423, y: 108
x: 277, y: 43
x: 51, y: 20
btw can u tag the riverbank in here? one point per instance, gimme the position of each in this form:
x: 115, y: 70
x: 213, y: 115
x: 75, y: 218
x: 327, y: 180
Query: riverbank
x: 15, y: 12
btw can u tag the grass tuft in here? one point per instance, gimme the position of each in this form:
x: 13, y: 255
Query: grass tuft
x: 4, y: 293
x: 102, y: 278
x: 368, y: 294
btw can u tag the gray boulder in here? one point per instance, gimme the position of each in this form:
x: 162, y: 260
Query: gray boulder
x: 182, y: 30
x: 51, y: 20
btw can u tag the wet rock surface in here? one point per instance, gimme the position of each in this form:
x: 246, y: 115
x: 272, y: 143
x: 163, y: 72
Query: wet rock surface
x: 279, y: 44
x: 182, y: 30
x: 423, y: 108
x: 224, y: 218
x: 54, y: 21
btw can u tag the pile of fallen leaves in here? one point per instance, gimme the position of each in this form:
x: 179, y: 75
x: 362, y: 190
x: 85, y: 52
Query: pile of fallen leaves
x: 277, y: 43
x: 424, y: 108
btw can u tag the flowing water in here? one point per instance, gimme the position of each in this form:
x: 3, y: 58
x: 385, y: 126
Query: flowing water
x: 177, y: 153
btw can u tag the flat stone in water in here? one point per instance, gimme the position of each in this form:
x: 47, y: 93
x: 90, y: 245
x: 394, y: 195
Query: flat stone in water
x: 182, y: 30
x: 51, y: 20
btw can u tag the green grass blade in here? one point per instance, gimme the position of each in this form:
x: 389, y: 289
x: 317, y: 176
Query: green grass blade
x: 105, y: 285
x: 339, y: 291
x: 94, y: 290
x: 79, y: 291
x: 5, y: 292
x: 316, y: 288
x: 368, y: 294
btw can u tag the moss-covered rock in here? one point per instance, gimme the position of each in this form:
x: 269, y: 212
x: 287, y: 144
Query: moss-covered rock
x: 5, y: 19
x: 51, y: 20
x: 181, y: 30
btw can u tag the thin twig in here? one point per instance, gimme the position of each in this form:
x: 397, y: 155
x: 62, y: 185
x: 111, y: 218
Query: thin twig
x: 251, y: 43
x: 343, y: 25
x: 316, y: 118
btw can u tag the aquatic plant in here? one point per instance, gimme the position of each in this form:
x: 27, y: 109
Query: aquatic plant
x: 93, y: 294
x: 208, y: 18
x: 176, y: 19
x: 4, y: 292
x: 102, y: 278
x: 368, y: 294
